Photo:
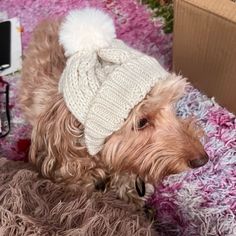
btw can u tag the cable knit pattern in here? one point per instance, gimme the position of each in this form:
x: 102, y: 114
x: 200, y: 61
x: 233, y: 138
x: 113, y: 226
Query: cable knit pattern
x: 101, y: 88
x: 79, y: 83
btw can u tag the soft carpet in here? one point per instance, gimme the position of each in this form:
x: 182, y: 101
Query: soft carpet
x: 30, y: 205
x: 200, y: 202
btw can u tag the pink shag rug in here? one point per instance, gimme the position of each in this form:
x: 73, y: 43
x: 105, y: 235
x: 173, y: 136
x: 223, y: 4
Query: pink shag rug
x: 200, y: 202
x: 31, y: 205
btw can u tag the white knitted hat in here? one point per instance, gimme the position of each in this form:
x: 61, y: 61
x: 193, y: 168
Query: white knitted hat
x: 104, y: 78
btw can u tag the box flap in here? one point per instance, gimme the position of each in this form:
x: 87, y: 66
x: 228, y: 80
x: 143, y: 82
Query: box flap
x: 204, y: 47
x: 222, y: 8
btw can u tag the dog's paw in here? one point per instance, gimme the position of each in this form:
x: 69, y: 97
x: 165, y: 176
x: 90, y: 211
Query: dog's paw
x: 132, y: 189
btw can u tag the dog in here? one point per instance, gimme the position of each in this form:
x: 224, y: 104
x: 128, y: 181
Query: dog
x: 152, y: 143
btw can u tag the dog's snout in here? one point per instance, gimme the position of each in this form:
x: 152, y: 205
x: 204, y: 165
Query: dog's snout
x: 199, y: 161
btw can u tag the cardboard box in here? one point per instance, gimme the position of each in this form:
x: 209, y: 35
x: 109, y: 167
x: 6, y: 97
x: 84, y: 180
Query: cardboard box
x: 204, y: 47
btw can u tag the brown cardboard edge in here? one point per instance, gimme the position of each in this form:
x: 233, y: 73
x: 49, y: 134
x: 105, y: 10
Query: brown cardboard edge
x: 177, y: 6
x: 214, y: 7
x: 199, y: 4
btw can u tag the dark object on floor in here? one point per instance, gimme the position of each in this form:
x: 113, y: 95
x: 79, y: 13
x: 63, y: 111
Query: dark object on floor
x: 4, y: 108
x: 5, y: 45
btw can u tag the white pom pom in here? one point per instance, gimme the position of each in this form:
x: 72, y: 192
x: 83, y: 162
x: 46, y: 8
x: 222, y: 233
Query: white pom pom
x: 86, y: 29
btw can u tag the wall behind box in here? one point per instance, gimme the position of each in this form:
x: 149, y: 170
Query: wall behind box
x: 204, y: 47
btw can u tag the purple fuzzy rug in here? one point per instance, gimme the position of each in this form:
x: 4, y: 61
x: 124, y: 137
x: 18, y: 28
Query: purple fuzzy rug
x: 201, y: 202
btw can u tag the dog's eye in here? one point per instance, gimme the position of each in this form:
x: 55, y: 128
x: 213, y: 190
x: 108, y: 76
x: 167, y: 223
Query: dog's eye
x: 142, y: 123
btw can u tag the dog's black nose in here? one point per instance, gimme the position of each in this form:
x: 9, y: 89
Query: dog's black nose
x: 198, y: 162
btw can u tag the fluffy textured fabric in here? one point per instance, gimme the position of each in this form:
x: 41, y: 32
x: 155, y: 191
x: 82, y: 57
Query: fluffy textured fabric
x: 87, y: 29
x: 30, y: 205
x: 101, y: 87
x: 197, y: 203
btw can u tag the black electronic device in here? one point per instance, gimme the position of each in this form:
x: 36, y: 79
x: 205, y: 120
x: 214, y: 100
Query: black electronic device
x: 5, y: 45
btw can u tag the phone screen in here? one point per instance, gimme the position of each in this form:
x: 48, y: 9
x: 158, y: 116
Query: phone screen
x: 5, y: 45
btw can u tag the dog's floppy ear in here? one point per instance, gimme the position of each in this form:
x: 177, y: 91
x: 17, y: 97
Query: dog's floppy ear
x: 178, y: 86
x: 170, y: 90
x: 53, y: 137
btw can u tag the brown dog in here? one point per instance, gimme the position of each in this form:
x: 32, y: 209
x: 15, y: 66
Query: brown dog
x: 152, y: 143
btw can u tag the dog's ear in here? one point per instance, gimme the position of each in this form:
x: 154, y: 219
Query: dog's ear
x: 169, y: 90
x: 178, y: 86
x: 54, y: 138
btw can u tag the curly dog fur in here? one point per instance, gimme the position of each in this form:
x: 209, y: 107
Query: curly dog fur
x: 152, y: 143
